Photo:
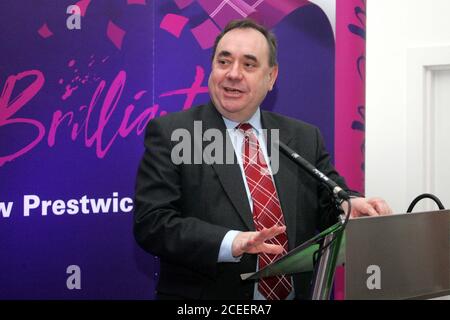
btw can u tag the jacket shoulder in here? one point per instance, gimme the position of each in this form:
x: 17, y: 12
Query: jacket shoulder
x: 290, y: 123
x: 179, y: 117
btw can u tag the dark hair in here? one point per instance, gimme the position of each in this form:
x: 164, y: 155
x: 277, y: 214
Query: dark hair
x: 251, y: 24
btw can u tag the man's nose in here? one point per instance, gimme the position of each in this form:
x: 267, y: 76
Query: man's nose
x: 234, y: 73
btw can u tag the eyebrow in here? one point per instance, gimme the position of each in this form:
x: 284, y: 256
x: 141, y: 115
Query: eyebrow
x: 225, y: 53
x: 251, y: 57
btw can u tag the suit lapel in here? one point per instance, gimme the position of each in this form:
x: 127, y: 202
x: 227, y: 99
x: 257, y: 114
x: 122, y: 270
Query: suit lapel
x: 230, y: 175
x: 286, y: 183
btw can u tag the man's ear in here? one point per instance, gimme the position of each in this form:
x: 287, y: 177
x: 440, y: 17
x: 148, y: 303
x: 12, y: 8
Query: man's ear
x: 273, y: 74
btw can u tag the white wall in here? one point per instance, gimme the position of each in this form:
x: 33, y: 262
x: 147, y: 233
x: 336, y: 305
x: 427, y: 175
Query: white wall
x: 394, y: 27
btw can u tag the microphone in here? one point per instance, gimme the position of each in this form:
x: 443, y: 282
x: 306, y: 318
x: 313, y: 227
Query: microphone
x: 313, y: 171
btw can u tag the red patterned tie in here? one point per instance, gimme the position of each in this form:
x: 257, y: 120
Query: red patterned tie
x: 266, y: 211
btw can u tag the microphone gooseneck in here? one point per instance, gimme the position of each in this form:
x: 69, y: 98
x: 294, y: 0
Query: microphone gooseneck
x: 313, y: 171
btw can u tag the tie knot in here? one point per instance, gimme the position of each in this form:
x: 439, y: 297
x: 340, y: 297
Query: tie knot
x: 245, y: 127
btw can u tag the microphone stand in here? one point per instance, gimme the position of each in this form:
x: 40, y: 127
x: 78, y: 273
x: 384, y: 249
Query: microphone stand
x: 325, y: 258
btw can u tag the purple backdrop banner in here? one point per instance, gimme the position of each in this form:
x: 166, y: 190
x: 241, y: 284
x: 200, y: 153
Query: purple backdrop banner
x: 79, y: 81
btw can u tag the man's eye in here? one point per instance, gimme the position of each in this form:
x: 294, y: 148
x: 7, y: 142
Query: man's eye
x: 222, y: 61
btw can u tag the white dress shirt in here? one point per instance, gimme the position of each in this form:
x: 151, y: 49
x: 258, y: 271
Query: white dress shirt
x: 237, y: 139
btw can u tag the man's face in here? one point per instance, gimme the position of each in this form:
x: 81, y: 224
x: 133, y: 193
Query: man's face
x: 241, y: 76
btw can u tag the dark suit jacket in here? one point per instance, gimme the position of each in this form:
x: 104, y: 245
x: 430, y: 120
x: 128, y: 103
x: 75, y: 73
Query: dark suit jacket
x: 182, y: 212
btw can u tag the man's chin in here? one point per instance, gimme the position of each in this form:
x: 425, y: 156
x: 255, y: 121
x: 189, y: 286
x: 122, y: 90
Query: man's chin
x: 233, y: 111
x: 233, y: 108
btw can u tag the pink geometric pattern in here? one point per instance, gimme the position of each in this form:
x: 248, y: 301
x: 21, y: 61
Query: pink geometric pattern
x: 173, y: 24
x: 44, y: 31
x: 139, y: 2
x: 183, y: 3
x: 266, y: 211
x: 271, y: 12
x: 251, y: 2
x: 206, y: 33
x: 83, y: 5
x: 222, y: 11
x: 115, y: 34
x: 267, y: 12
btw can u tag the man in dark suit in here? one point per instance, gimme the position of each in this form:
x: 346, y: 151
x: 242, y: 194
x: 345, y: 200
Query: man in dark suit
x: 210, y: 221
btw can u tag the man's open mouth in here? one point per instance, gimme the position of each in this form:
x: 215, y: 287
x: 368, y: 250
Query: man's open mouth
x: 232, y: 90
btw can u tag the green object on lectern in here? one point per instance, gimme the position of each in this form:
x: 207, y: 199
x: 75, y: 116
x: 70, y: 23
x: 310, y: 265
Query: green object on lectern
x: 301, y: 259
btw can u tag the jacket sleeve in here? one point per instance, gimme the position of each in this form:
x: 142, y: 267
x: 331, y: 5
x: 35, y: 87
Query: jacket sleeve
x: 328, y: 210
x: 161, y: 225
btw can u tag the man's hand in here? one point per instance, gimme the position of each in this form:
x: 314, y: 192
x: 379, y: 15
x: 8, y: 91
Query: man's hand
x: 368, y: 207
x: 254, y: 241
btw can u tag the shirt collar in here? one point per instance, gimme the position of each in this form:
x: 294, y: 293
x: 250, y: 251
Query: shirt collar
x: 255, y: 122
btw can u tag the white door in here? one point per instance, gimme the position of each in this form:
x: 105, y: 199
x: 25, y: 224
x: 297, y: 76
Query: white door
x: 428, y: 124
x: 408, y: 101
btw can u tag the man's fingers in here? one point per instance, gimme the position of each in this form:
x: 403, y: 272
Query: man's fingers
x: 370, y: 210
x: 380, y: 206
x: 252, y: 247
x: 254, y: 242
x: 272, y: 248
x: 267, y: 234
x: 369, y: 207
x: 364, y: 209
